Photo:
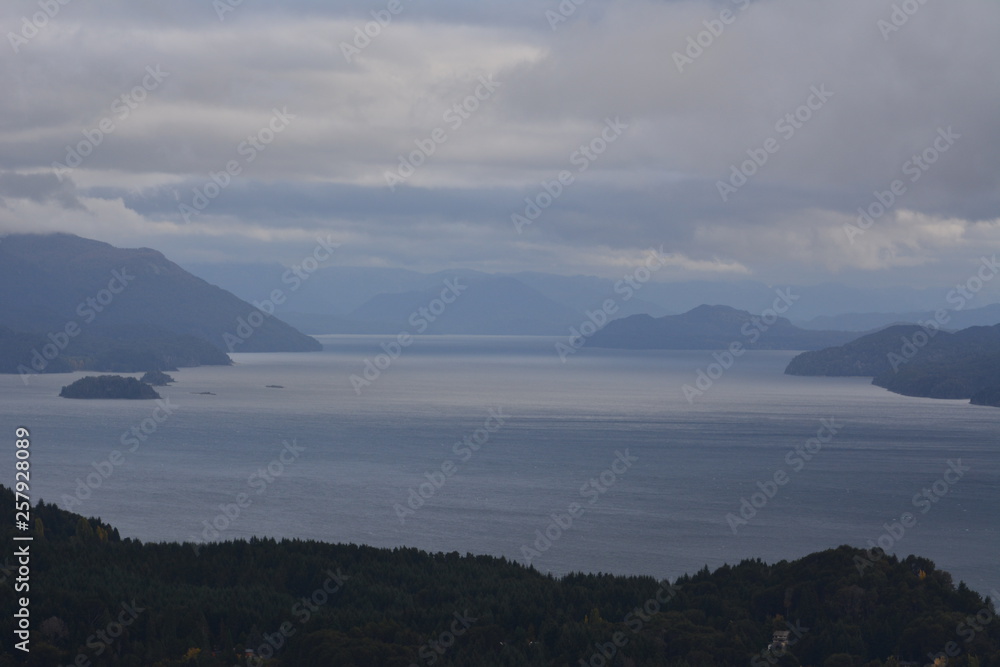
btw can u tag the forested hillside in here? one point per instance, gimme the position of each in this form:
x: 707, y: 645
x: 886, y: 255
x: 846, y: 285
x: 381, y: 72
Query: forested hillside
x: 917, y: 361
x: 309, y: 603
x: 71, y: 303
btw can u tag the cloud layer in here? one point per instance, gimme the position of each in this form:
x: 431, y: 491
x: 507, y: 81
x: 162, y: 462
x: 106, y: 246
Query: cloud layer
x: 750, y: 132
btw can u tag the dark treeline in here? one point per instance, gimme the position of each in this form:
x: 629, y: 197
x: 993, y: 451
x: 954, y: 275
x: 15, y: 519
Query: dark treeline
x: 128, y: 350
x: 917, y: 361
x: 109, y: 386
x: 97, y: 599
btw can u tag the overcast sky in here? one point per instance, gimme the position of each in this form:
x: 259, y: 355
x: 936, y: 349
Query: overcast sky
x: 178, y: 88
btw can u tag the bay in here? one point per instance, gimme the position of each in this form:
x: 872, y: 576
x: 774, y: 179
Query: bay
x: 359, y: 456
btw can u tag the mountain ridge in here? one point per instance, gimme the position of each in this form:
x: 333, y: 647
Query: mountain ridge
x: 712, y: 327
x: 82, y: 297
x: 918, y: 361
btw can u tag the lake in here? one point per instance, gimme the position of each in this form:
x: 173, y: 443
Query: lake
x: 492, y: 445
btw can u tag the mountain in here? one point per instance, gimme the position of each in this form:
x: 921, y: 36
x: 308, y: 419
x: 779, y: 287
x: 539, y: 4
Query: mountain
x: 956, y: 319
x: 959, y: 365
x: 325, y: 301
x: 335, y: 291
x: 480, y: 304
x: 866, y: 356
x: 126, y: 349
x: 917, y: 361
x: 87, y: 297
x: 583, y: 293
x: 858, y: 321
x: 366, y: 300
x: 681, y: 296
x: 330, y: 290
x: 711, y: 328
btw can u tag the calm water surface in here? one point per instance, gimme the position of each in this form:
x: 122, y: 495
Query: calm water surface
x: 355, y: 458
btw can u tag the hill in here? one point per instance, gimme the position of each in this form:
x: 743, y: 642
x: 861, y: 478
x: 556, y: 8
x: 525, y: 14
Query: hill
x: 712, y: 328
x: 491, y: 305
x: 125, y: 350
x: 90, y: 299
x: 866, y: 356
x: 156, y: 379
x: 916, y: 361
x: 956, y: 319
x: 480, y: 304
x: 337, y: 290
x: 295, y: 602
x: 362, y: 300
x: 109, y: 386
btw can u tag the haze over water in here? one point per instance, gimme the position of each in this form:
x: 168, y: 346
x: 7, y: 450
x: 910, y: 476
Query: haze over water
x: 355, y: 457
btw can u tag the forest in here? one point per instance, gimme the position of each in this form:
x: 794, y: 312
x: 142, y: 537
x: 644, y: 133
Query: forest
x: 109, y: 386
x: 125, y: 350
x: 917, y: 360
x: 98, y: 599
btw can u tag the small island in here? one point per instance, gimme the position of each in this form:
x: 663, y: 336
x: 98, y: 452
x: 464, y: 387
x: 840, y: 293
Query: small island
x: 109, y: 386
x: 156, y: 379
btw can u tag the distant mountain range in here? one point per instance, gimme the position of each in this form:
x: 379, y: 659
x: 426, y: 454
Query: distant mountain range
x: 358, y: 300
x: 480, y: 305
x: 917, y: 361
x: 73, y: 303
x: 136, y: 310
x: 352, y: 300
x: 712, y: 328
x: 957, y: 319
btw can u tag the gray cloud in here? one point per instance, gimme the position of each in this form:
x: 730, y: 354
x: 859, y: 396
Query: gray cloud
x: 656, y: 184
x: 39, y: 188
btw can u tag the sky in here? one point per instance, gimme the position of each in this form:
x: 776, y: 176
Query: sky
x: 741, y: 137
